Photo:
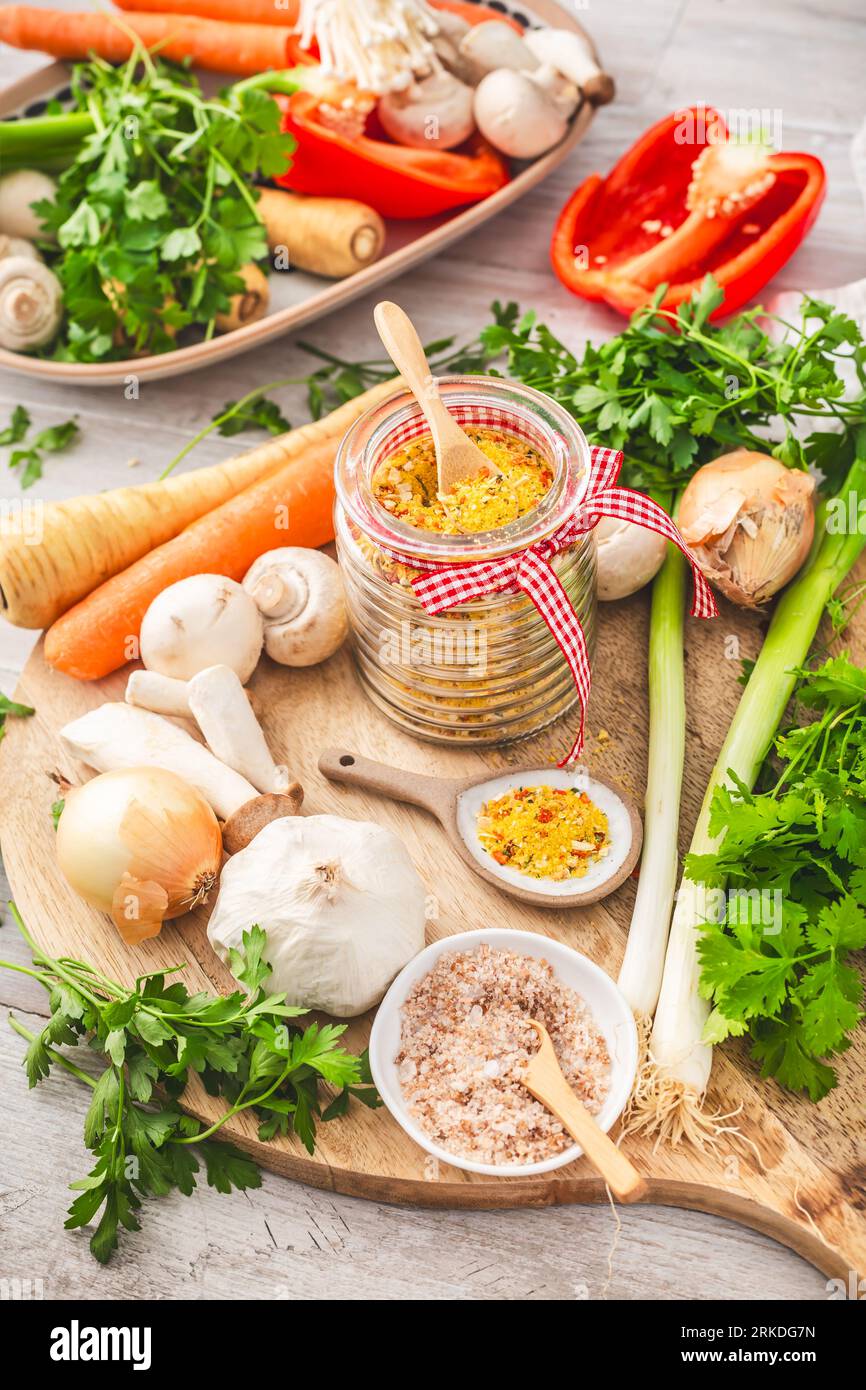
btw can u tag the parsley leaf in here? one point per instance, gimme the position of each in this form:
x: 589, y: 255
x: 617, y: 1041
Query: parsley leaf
x: 776, y: 967
x: 17, y: 427
x: 150, y: 1038
x: 257, y: 414
x: 11, y: 707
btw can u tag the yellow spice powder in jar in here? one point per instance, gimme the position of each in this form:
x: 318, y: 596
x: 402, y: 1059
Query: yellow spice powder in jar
x: 545, y: 832
x: 406, y: 485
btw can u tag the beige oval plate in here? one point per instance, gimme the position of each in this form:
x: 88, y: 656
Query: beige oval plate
x: 297, y: 297
x: 457, y: 802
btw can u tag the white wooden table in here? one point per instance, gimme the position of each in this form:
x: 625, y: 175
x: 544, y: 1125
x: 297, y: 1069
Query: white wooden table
x: 805, y: 68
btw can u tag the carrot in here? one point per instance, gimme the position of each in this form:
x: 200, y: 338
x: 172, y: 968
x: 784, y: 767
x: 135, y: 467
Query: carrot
x: 291, y: 507
x: 327, y: 236
x: 240, y: 49
x: 84, y: 541
x: 475, y: 14
x: 286, y: 12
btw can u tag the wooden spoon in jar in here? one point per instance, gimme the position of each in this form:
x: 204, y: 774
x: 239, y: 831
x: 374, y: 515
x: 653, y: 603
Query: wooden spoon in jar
x: 543, y: 1079
x: 457, y: 457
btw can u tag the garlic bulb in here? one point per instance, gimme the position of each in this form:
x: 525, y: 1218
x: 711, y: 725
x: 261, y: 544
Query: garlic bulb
x: 31, y: 303
x: 140, y: 844
x: 750, y: 522
x: 629, y: 556
x: 341, y: 902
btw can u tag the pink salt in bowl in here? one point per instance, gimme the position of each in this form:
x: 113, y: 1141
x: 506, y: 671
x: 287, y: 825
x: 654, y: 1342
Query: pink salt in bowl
x: 608, y: 1007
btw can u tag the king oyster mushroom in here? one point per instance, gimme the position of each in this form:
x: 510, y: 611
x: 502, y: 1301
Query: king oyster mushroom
x: 434, y: 112
x: 299, y: 593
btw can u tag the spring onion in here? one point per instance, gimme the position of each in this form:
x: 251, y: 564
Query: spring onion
x: 673, y: 1080
x: 641, y: 973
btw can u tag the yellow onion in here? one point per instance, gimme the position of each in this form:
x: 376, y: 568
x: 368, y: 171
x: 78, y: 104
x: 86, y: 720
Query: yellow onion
x: 140, y: 844
x: 750, y: 522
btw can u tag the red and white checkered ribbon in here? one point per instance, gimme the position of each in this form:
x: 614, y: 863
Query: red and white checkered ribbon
x: 447, y: 585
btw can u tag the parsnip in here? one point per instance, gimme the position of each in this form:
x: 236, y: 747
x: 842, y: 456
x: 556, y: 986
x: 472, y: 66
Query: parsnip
x: 333, y: 237
x: 80, y: 543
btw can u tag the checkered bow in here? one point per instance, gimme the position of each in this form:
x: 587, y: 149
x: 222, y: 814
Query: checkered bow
x: 444, y: 585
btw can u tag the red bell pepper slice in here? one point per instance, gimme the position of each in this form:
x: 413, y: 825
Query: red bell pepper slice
x: 394, y: 179
x: 603, y: 227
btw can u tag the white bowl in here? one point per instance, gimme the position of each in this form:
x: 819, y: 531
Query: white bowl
x: 609, y: 1008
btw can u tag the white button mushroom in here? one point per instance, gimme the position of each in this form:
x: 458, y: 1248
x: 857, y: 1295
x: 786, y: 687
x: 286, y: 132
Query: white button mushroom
x: 495, y: 44
x: 517, y: 115
x: 204, y: 620
x: 629, y: 556
x: 18, y: 190
x: 17, y: 246
x: 435, y: 113
x: 300, y: 595
x: 31, y: 303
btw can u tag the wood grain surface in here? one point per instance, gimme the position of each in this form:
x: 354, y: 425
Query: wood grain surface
x: 803, y: 65
x: 800, y: 1177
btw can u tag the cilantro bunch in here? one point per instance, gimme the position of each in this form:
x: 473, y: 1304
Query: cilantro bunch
x: 147, y: 1041
x: 156, y: 213
x: 777, y: 967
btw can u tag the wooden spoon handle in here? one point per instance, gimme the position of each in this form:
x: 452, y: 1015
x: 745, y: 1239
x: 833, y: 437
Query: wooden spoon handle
x: 434, y: 794
x: 404, y: 347
x: 618, y: 1172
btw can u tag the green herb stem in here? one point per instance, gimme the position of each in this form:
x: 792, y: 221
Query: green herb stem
x: 677, y: 1043
x: 64, y: 1062
x: 641, y: 973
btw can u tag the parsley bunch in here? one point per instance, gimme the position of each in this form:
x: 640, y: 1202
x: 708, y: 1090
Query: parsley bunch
x: 777, y: 966
x: 148, y: 1040
x: 673, y: 389
x: 157, y: 213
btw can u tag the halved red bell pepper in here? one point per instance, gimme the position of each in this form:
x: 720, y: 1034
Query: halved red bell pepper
x: 394, y: 179
x: 602, y: 240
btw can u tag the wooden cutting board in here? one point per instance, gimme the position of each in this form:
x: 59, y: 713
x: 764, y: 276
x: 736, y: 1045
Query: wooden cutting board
x: 807, y: 1189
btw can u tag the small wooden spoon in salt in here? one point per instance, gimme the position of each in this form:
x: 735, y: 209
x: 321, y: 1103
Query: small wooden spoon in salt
x: 457, y: 457
x: 543, y: 1078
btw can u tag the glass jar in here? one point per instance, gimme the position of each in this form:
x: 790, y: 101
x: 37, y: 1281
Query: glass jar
x: 489, y: 671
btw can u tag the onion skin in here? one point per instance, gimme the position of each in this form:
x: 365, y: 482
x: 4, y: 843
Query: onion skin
x: 749, y: 521
x: 140, y: 844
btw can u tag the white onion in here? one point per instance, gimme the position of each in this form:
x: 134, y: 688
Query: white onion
x: 750, y: 522
x: 140, y: 844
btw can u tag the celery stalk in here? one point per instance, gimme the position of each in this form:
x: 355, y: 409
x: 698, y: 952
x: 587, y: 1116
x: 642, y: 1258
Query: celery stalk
x: 641, y: 974
x: 671, y: 1090
x: 38, y: 141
